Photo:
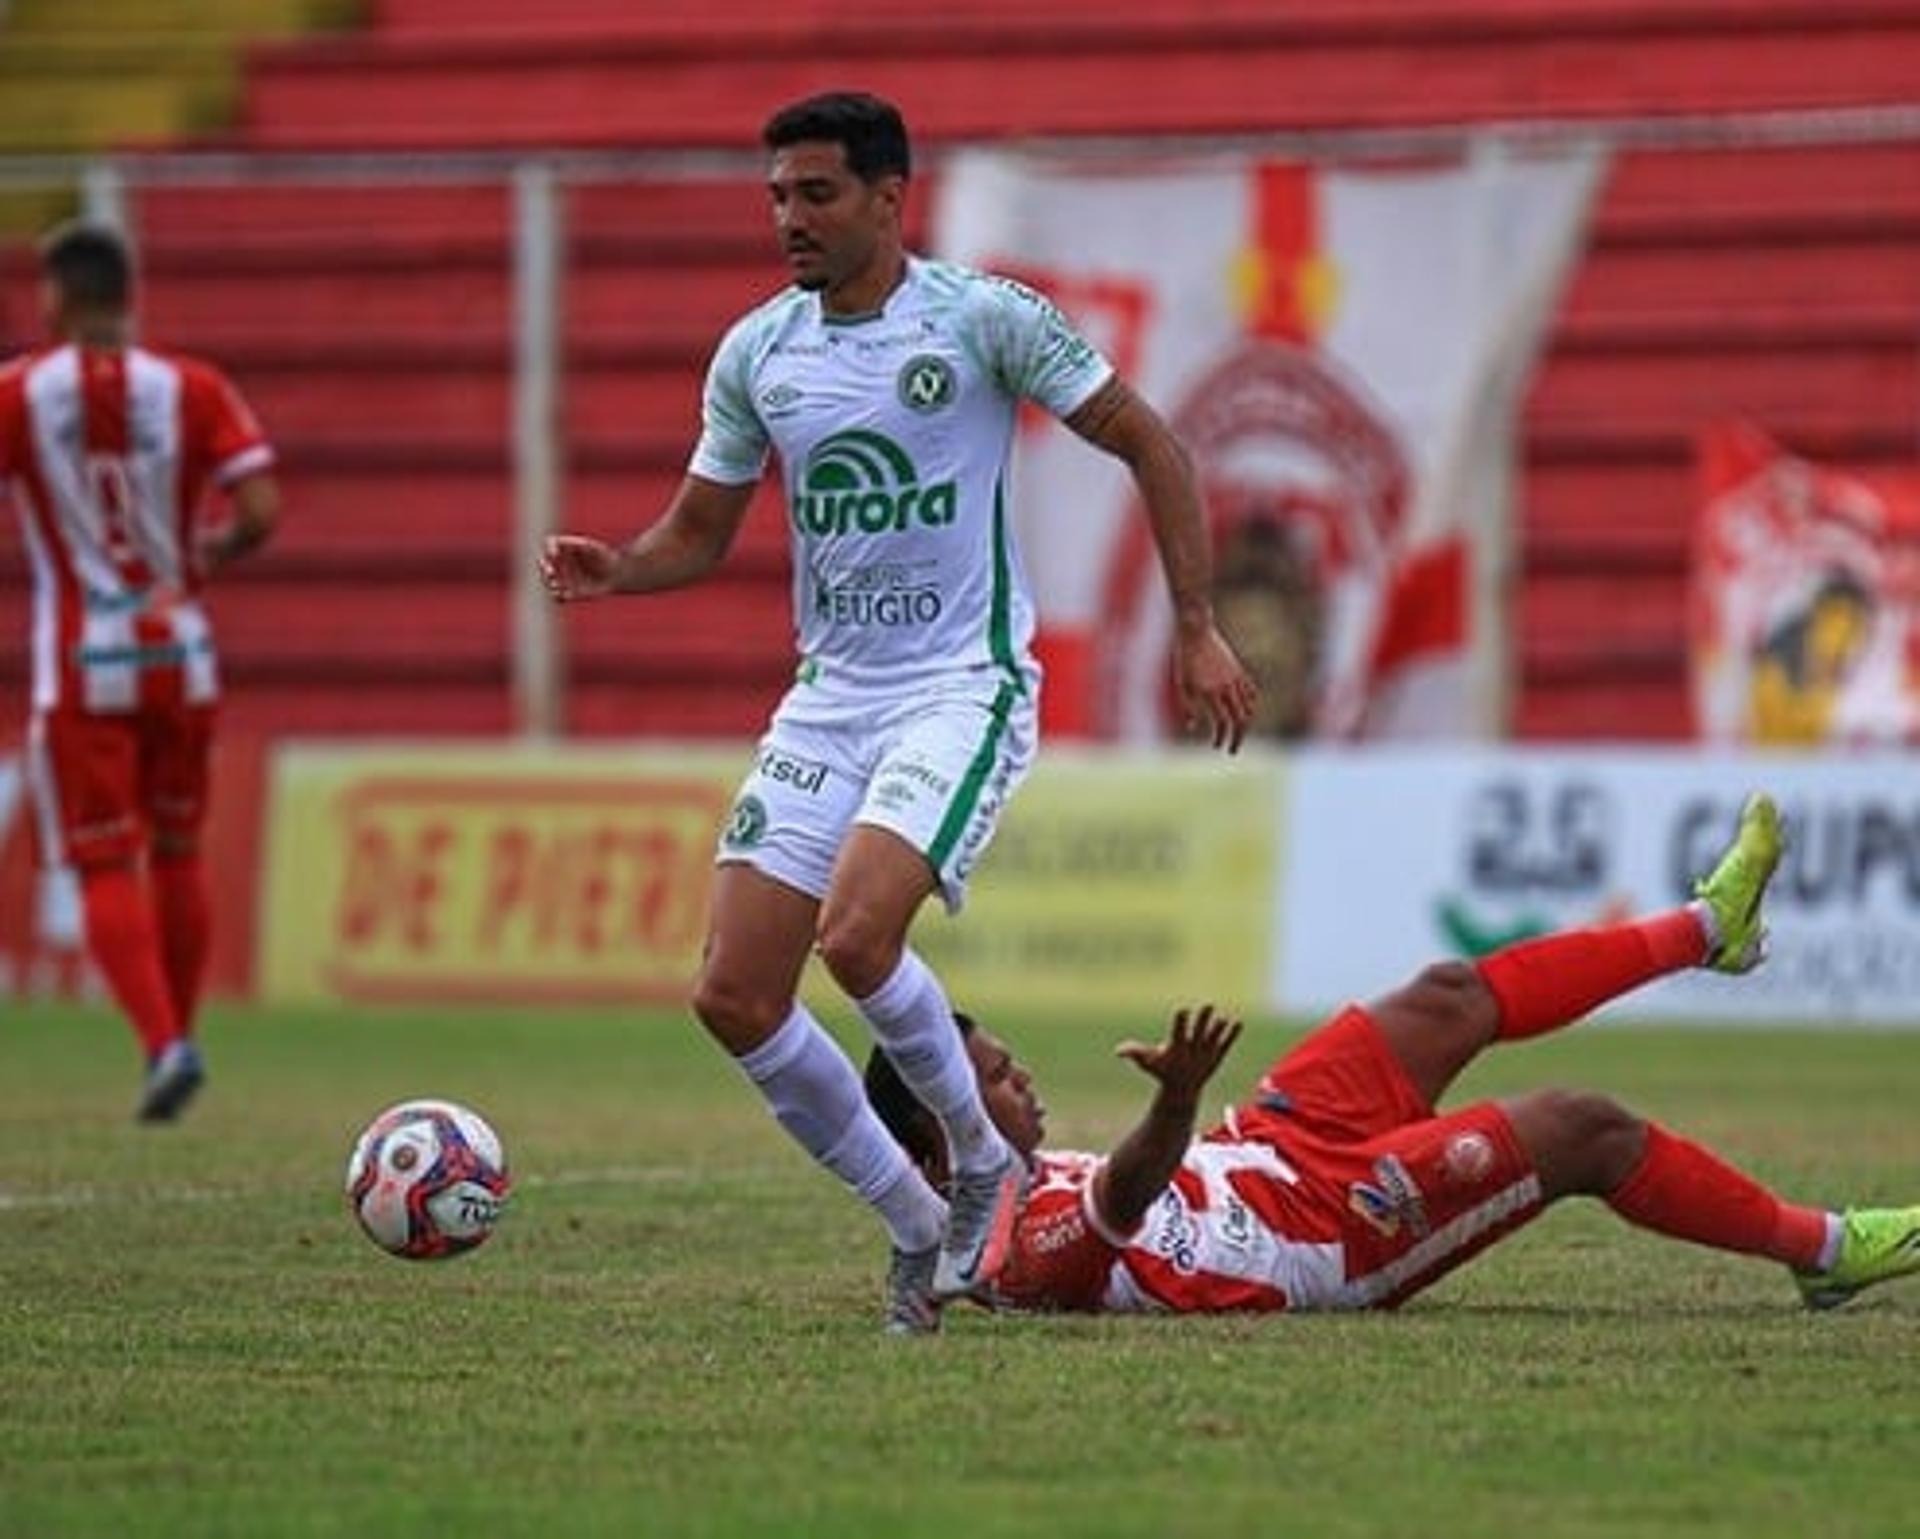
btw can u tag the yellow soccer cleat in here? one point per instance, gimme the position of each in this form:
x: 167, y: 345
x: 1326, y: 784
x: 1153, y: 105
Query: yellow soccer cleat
x: 1734, y: 888
x: 1876, y: 1244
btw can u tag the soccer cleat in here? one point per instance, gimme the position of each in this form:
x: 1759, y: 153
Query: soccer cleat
x: 1876, y: 1244
x: 980, y: 1211
x: 912, y: 1309
x: 172, y: 1079
x: 1734, y: 888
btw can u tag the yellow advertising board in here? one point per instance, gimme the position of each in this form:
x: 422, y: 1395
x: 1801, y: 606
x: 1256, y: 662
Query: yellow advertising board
x: 581, y: 875
x: 1122, y: 883
x: 490, y: 874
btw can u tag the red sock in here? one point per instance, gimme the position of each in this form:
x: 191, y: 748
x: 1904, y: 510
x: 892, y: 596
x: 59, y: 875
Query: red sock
x: 186, y: 929
x: 1553, y: 981
x: 1679, y: 1189
x: 125, y: 942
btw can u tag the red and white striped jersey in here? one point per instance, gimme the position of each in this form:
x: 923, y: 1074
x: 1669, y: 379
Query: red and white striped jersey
x: 1226, y: 1234
x: 107, y: 453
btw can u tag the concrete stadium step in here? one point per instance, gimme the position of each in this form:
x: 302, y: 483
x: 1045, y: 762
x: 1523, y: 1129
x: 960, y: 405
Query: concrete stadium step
x: 734, y: 709
x: 465, y: 521
x: 263, y: 703
x: 1683, y: 382
x: 1684, y: 195
x: 989, y: 77
x: 453, y: 16
x: 1663, y: 382
x: 451, y: 303
x: 1603, y: 702
x: 232, y: 18
x: 49, y: 113
x: 661, y: 213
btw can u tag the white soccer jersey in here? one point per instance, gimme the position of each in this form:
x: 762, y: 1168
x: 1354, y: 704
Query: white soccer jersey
x: 894, y: 432
x: 106, y: 453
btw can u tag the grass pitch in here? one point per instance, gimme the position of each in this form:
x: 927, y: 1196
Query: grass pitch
x: 674, y: 1332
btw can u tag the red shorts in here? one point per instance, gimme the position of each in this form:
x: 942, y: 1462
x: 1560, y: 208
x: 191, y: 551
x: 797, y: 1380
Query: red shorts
x: 105, y: 783
x: 1410, y: 1195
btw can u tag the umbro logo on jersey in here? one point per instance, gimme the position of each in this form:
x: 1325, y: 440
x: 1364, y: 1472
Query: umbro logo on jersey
x: 863, y: 481
x: 926, y: 382
x: 781, y: 397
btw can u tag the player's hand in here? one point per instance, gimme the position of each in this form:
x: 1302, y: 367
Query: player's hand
x: 1214, y: 687
x: 575, y: 566
x: 1195, y: 1048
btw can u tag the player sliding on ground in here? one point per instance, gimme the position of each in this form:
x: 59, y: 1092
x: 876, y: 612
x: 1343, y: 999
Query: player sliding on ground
x: 887, y: 386
x: 1336, y: 1185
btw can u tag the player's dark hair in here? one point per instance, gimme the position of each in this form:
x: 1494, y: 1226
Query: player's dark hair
x: 89, y: 264
x: 916, y: 1128
x: 870, y: 130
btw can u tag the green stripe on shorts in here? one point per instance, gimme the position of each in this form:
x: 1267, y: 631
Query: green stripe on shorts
x: 967, y: 798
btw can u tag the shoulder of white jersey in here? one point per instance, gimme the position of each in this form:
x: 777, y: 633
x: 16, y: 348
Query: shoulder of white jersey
x: 956, y: 283
x: 766, y: 319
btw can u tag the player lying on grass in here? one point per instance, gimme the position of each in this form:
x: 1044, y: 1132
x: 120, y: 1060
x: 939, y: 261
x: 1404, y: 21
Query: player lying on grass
x: 1337, y: 1185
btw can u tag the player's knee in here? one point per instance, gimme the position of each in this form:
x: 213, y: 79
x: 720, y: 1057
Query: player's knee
x: 736, y: 1013
x: 1582, y: 1141
x: 1451, y: 995
x: 860, y: 953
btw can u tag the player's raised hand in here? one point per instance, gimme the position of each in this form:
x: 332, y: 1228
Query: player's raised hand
x: 575, y: 566
x: 1214, y: 687
x: 1195, y: 1048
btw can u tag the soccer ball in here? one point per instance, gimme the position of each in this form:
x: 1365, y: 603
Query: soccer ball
x: 427, y: 1180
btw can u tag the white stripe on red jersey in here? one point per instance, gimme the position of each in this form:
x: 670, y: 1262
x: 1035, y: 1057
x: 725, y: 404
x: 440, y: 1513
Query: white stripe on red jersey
x: 107, y: 453
x: 1212, y: 1240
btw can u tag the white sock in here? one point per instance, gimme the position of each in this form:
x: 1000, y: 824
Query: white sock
x: 914, y: 1025
x: 816, y: 1096
x: 1830, y: 1250
x: 1709, y: 923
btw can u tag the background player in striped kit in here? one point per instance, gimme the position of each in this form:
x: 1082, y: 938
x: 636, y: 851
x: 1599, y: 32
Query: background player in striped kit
x: 107, y: 449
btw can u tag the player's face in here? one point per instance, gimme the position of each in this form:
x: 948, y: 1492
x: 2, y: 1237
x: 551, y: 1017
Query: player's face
x: 1007, y: 1092
x: 832, y: 225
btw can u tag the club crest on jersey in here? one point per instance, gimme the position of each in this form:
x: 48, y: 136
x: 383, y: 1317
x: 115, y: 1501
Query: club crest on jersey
x: 926, y: 382
x: 746, y: 824
x: 859, y: 481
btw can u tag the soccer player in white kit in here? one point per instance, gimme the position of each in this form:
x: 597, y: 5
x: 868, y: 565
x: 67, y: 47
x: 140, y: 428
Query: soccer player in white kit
x: 888, y: 386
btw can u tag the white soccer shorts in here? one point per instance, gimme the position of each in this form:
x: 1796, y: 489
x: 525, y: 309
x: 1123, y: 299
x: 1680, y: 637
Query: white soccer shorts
x: 936, y: 768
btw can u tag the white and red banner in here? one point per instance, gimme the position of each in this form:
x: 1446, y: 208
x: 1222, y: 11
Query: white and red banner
x: 1805, y: 599
x: 1343, y: 351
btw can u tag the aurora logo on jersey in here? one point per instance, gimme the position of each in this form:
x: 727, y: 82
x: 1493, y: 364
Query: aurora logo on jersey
x: 863, y: 482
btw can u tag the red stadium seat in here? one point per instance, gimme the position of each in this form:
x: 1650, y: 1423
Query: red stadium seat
x: 373, y: 325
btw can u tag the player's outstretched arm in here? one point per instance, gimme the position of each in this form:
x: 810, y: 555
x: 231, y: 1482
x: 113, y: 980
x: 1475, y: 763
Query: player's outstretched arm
x: 687, y: 542
x: 1213, y: 686
x: 1144, y: 1161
